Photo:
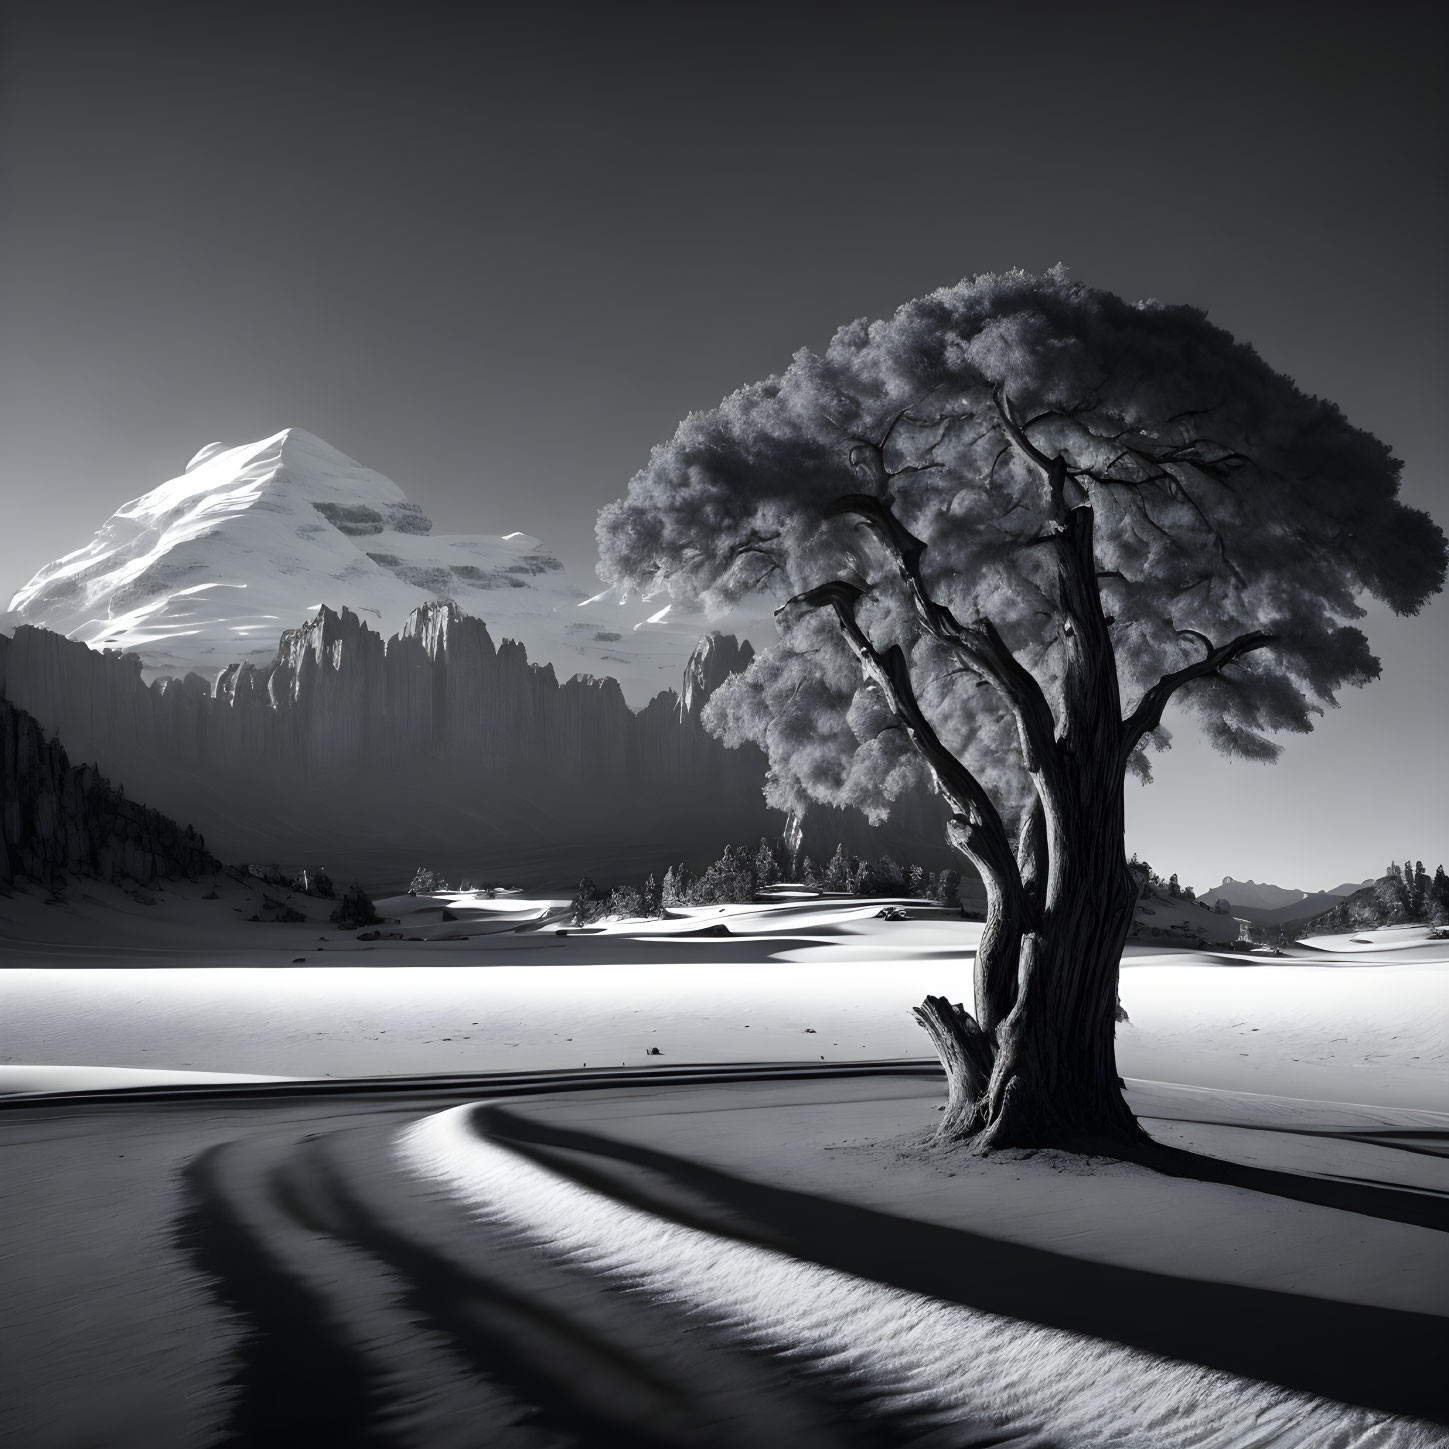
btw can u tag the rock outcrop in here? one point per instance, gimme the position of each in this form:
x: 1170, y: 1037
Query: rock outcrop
x: 361, y: 753
x: 1361, y: 911
x: 715, y: 658
x: 58, y: 820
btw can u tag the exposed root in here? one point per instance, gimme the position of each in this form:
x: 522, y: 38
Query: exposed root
x: 968, y: 1056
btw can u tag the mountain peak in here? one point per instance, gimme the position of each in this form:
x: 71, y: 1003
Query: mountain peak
x: 291, y: 447
x: 208, y: 568
x: 1261, y: 895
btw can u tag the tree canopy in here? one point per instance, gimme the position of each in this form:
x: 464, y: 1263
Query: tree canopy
x: 1228, y: 502
x: 1009, y: 526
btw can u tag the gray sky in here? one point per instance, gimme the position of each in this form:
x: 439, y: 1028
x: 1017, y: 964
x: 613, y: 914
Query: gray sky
x: 498, y: 257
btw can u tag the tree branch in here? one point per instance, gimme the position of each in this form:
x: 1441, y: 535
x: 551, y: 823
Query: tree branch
x: 871, y: 452
x: 979, y: 645
x: 1148, y: 714
x: 890, y: 674
x: 1054, y: 470
x: 1015, y: 431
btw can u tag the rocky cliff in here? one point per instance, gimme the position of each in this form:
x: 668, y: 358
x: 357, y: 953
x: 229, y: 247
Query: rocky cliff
x: 370, y: 755
x: 59, y: 820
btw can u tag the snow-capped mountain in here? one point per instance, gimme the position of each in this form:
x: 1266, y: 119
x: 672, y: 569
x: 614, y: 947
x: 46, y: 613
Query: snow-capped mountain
x: 209, y: 568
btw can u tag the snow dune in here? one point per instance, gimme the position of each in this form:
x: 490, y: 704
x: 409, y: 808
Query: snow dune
x: 731, y: 1265
x: 971, y: 1377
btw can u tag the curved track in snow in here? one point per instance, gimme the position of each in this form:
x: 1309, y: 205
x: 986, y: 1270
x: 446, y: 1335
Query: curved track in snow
x: 507, y: 1260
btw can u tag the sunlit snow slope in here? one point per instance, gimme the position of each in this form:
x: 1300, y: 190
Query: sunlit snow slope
x: 210, y: 567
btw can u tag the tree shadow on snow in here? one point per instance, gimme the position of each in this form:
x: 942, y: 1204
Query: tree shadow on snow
x: 1380, y: 1358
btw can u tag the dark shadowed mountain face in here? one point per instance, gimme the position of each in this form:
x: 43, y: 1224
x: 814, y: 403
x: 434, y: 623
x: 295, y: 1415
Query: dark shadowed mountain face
x: 59, y: 820
x: 368, y: 755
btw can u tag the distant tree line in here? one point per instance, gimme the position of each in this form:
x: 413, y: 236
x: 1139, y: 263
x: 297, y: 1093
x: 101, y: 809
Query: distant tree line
x: 427, y: 882
x: 742, y: 872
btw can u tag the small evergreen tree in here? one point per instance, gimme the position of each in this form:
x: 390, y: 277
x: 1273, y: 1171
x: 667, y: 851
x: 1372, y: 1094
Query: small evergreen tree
x: 767, y: 866
x: 678, y: 887
x: 810, y: 874
x: 426, y: 882
x: 1439, y: 898
x: 837, y: 872
x: 729, y: 881
x: 626, y: 902
x: 1172, y: 886
x: 652, y: 896
x: 588, y: 903
x: 1419, y: 891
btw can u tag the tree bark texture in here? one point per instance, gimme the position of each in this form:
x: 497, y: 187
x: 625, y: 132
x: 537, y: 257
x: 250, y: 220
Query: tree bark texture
x: 1069, y: 905
x: 1036, y: 1065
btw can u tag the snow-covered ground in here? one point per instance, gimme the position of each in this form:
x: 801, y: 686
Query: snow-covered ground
x: 1379, y: 939
x: 807, y: 981
x: 911, y: 1356
x: 801, y: 1269
x: 799, y: 1272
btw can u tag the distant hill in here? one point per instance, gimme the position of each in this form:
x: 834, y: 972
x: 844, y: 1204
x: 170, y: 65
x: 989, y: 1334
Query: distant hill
x: 1160, y: 916
x: 1401, y: 896
x: 1258, y: 895
x: 1360, y: 911
x: 1273, y: 905
x: 1348, y: 888
x: 1312, y: 905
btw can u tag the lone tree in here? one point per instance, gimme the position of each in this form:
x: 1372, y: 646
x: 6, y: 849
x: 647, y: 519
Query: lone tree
x: 992, y: 519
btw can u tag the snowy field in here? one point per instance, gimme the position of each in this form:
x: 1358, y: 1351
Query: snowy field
x: 444, y: 1266
x: 798, y: 1272
x: 98, y: 987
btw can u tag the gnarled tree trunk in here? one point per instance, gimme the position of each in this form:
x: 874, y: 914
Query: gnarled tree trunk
x: 1055, y: 1075
x: 1037, y: 1062
x: 1068, y: 904
x: 1047, y: 1072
